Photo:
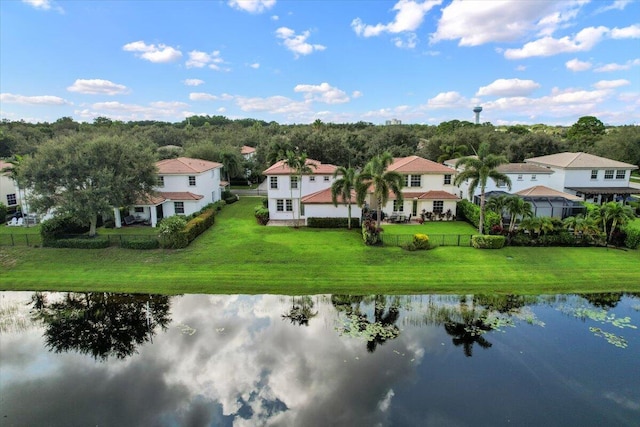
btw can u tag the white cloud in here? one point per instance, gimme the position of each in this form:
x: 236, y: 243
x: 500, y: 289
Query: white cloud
x: 616, y: 5
x: 356, y: 94
x: 408, y: 42
x: 630, y: 32
x: 297, y: 43
x: 11, y: 98
x: 474, y: 23
x: 44, y: 5
x: 275, y: 18
x: 273, y: 105
x: 323, y: 93
x: 617, y: 67
x: 508, y: 87
x: 193, y: 82
x: 548, y: 46
x: 385, y: 403
x: 160, y: 53
x: 201, y: 96
x: 252, y: 6
x: 198, y: 59
x: 577, y: 65
x: 611, y: 84
x: 97, y: 87
x: 255, y: 65
x: 409, y: 17
x: 127, y: 112
x: 446, y: 100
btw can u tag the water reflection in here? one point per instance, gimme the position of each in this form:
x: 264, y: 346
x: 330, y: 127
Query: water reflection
x: 100, y: 324
x: 241, y: 360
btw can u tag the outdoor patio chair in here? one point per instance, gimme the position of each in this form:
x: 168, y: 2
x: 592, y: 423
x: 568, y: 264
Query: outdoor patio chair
x: 129, y: 220
x: 20, y: 222
x: 13, y: 222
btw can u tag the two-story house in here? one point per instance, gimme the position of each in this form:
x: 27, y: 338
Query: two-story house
x: 428, y: 187
x: 184, y: 186
x: 593, y: 178
x: 9, y: 191
x: 285, y: 189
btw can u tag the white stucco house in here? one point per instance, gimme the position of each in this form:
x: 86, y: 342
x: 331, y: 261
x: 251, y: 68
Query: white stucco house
x: 285, y: 190
x: 247, y: 152
x: 9, y: 191
x: 184, y: 186
x: 592, y: 178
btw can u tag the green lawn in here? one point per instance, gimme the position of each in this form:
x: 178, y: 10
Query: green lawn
x: 431, y: 227
x: 238, y: 256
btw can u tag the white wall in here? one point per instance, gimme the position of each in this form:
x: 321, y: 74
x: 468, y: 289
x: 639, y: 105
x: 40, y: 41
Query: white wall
x: 582, y: 178
x: 284, y: 192
x: 207, y: 185
x: 330, y: 211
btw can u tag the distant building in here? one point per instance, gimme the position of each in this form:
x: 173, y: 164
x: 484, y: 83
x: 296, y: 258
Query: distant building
x: 393, y: 122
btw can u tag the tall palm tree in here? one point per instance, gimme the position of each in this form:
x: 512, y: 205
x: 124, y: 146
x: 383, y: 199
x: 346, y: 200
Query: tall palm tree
x: 344, y: 188
x: 383, y: 181
x: 498, y: 205
x: 617, y: 214
x: 299, y: 166
x: 478, y: 169
x: 517, y: 207
x: 231, y: 164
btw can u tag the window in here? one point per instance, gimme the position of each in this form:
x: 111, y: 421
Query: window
x: 533, y: 177
x: 11, y: 200
x: 280, y: 205
x: 294, y: 182
x: 273, y: 182
x: 500, y: 184
x: 621, y: 174
x: 192, y: 181
x: 594, y: 174
x: 289, y: 205
x: 138, y: 209
x: 520, y: 177
x: 312, y: 179
x: 416, y: 180
x: 406, y: 180
x: 447, y: 179
x: 608, y: 174
x: 160, y: 181
x: 178, y: 207
x: 326, y: 178
x: 438, y: 206
x: 398, y: 206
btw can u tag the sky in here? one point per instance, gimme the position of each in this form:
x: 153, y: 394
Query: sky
x: 339, y: 61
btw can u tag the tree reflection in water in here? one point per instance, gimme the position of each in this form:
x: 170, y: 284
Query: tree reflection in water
x: 100, y: 324
x: 376, y: 332
x: 301, y: 311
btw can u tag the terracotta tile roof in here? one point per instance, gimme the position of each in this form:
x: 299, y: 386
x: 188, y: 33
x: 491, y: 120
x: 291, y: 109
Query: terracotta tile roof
x: 578, y: 161
x: 428, y: 195
x: 163, y: 196
x: 247, y: 150
x: 418, y: 165
x: 317, y: 168
x: 185, y: 165
x: 543, y: 191
x: 323, y: 197
x: 151, y: 200
x: 523, y: 168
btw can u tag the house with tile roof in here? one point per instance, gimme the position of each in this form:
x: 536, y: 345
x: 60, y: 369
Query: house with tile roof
x: 428, y: 186
x: 592, y: 178
x: 247, y: 152
x: 285, y: 190
x: 9, y: 192
x: 184, y: 186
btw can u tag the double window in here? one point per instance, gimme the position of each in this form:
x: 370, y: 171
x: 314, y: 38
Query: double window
x: 281, y: 204
x: 326, y: 178
x: 178, y: 207
x: 438, y: 206
x: 620, y: 174
x: 312, y: 178
x: 608, y: 174
x: 413, y: 180
x: 398, y: 206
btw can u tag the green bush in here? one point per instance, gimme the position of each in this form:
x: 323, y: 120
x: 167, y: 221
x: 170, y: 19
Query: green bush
x: 140, y: 244
x: 487, y: 241
x: 171, y: 234
x: 471, y: 213
x: 3, y: 212
x: 109, y: 223
x: 332, y: 222
x: 262, y: 215
x: 371, y: 233
x: 78, y: 243
x: 217, y: 206
x: 61, y: 225
x: 420, y: 241
x: 632, y: 240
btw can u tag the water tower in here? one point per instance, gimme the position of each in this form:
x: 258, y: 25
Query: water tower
x: 477, y: 110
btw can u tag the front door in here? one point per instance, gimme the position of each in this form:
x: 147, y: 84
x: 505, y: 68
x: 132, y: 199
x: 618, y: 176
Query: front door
x: 159, y: 212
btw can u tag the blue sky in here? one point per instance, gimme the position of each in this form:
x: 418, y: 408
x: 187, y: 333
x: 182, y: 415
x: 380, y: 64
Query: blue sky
x: 338, y: 61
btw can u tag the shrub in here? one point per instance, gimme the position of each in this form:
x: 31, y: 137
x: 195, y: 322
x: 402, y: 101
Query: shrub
x: 217, y: 206
x: 633, y: 237
x: 140, y: 244
x: 487, y: 241
x: 170, y: 232
x: 471, y: 213
x: 109, y: 223
x: 78, y: 243
x: 3, y: 211
x: 371, y: 233
x: 61, y: 225
x: 333, y: 222
x: 262, y: 215
x: 420, y: 241
x: 520, y: 239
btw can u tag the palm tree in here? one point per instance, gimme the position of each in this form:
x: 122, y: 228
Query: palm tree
x: 517, y: 207
x: 231, y: 164
x: 383, y: 181
x: 344, y: 187
x: 498, y: 204
x: 479, y: 169
x: 617, y: 214
x: 299, y: 166
x: 581, y: 225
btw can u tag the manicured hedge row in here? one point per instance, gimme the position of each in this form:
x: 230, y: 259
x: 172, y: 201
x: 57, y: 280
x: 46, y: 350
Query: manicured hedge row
x: 78, y: 243
x: 471, y: 213
x: 487, y: 241
x: 140, y: 244
x: 332, y: 222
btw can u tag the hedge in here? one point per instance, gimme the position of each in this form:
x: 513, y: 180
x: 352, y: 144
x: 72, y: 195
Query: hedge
x: 632, y: 241
x: 486, y: 241
x: 78, y: 243
x: 471, y: 213
x: 59, y: 226
x: 262, y: 215
x: 140, y: 244
x: 315, y: 222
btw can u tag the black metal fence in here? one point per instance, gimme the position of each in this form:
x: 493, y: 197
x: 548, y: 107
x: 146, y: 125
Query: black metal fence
x: 435, y: 239
x: 24, y: 239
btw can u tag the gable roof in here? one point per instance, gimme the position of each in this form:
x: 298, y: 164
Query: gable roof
x: 317, y: 168
x: 323, y: 197
x: 163, y: 196
x: 523, y: 168
x: 247, y: 150
x: 544, y: 191
x: 5, y: 165
x: 418, y: 165
x: 185, y: 165
x: 578, y: 161
x: 428, y: 195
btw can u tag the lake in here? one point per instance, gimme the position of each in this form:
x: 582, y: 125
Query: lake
x: 100, y: 359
